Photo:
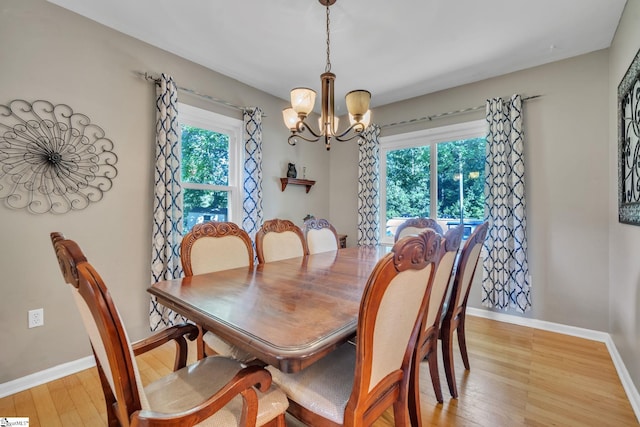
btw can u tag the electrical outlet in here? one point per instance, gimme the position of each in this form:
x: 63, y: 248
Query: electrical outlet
x: 36, y: 317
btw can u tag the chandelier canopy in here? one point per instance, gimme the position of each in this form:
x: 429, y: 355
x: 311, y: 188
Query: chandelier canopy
x: 303, y: 100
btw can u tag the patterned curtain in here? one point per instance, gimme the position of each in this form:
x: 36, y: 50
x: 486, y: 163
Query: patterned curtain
x: 369, y: 187
x: 505, y: 282
x: 252, y: 174
x: 167, y: 201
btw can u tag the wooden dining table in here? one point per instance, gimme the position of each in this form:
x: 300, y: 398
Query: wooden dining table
x: 288, y: 313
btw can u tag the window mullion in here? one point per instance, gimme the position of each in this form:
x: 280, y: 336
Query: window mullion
x: 433, y: 174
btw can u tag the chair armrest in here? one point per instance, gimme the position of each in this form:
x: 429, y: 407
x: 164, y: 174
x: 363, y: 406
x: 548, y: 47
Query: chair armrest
x: 242, y: 383
x: 175, y: 333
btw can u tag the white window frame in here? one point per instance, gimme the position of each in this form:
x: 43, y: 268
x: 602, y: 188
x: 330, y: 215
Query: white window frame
x: 430, y: 137
x: 205, y: 119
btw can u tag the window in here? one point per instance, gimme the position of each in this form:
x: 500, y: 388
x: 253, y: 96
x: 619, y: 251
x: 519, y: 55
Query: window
x: 211, y: 166
x: 447, y: 162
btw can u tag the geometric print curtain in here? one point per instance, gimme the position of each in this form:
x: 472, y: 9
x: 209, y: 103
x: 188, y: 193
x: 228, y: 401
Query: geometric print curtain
x: 505, y: 282
x: 369, y: 187
x: 167, y: 201
x: 252, y: 172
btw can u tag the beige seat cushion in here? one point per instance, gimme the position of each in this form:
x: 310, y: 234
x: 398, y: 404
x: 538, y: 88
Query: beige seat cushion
x: 324, y: 387
x: 193, y: 384
x: 223, y: 348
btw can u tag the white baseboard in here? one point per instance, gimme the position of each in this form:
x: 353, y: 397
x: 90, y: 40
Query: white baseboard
x: 45, y: 376
x: 623, y: 374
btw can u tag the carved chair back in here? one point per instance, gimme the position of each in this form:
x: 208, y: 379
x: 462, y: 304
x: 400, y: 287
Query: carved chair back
x: 279, y: 239
x: 214, y: 246
x: 320, y: 236
x: 414, y: 226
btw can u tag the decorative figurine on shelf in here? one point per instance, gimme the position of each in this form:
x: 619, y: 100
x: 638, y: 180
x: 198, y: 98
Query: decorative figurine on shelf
x: 291, y: 171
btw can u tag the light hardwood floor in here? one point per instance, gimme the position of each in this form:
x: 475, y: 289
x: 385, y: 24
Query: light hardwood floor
x: 519, y: 377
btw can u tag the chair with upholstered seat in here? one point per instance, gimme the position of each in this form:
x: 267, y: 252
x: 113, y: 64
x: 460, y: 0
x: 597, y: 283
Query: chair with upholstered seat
x: 454, y: 318
x: 427, y: 345
x: 213, y: 391
x: 354, y: 385
x: 320, y: 236
x: 279, y: 239
x: 214, y: 246
x: 414, y: 226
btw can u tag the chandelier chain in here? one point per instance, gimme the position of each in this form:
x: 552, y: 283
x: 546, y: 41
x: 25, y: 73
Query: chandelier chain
x: 327, y: 68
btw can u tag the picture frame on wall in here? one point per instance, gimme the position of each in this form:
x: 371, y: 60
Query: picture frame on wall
x: 629, y: 144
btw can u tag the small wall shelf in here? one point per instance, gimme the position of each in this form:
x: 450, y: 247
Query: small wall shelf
x: 306, y: 182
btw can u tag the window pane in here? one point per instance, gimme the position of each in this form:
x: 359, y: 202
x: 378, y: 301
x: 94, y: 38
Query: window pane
x: 461, y: 182
x: 205, y: 156
x: 204, y: 205
x: 407, y: 185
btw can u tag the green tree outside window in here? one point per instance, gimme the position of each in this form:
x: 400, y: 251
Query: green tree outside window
x: 205, y: 160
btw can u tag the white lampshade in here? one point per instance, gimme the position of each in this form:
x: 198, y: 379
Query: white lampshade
x: 358, y: 102
x: 302, y: 100
x: 366, y: 119
x: 290, y: 118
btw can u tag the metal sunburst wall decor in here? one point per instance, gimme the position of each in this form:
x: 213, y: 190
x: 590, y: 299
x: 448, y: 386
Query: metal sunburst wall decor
x: 52, y: 159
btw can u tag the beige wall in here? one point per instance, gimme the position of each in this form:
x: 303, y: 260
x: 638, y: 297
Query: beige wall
x: 52, y: 54
x: 567, y: 179
x: 624, y: 239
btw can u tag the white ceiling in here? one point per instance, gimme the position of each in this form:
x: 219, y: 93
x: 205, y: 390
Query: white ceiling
x: 395, y: 49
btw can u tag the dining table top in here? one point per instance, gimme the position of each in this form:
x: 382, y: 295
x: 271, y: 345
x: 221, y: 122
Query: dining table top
x: 287, y: 313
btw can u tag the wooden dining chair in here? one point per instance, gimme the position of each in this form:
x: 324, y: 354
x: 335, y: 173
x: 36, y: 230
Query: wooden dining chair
x: 427, y: 344
x: 213, y: 391
x: 354, y: 385
x: 320, y: 236
x: 414, y: 226
x: 215, y: 246
x: 279, y: 239
x: 454, y: 318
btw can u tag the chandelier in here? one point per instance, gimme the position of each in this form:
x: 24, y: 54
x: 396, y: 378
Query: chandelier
x: 303, y: 100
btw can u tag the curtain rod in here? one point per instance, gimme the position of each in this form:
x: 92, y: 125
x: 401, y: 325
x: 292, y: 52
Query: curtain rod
x: 448, y: 113
x: 156, y: 80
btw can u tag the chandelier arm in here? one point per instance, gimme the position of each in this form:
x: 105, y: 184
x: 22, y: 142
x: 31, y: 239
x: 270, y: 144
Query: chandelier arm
x: 303, y: 126
x: 356, y: 128
x: 299, y: 132
x: 295, y: 135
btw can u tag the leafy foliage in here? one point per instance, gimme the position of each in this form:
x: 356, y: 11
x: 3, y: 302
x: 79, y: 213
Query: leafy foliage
x: 205, y: 156
x: 205, y: 160
x: 408, y: 180
x: 461, y: 160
